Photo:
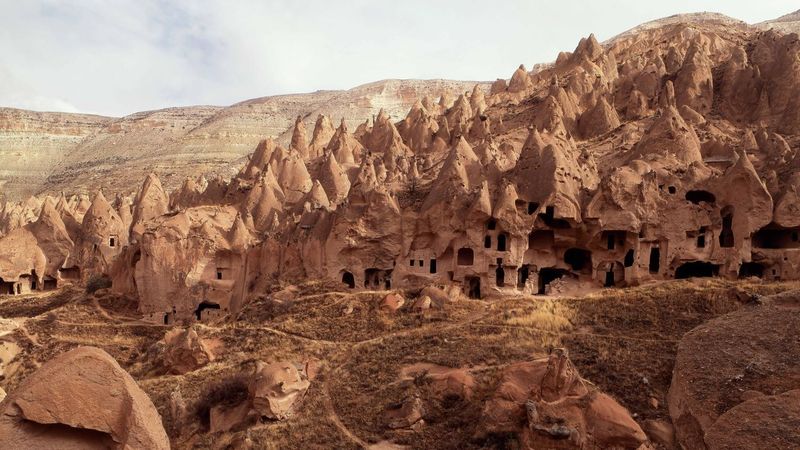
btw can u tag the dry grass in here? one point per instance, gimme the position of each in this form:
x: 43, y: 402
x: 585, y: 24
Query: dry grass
x: 617, y: 339
x: 547, y: 314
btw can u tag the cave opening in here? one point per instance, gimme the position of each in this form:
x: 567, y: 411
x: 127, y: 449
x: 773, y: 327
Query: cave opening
x: 579, y: 259
x: 726, y: 238
x: 204, y: 305
x: 629, y: 257
x: 609, y: 279
x: 374, y: 278
x: 523, y: 275
x: 773, y: 236
x: 751, y: 269
x: 547, y: 275
x: 501, y: 242
x: 655, y: 260
x: 473, y: 285
x: 349, y: 280
x: 465, y: 256
x: 696, y: 269
x: 500, y: 276
x: 6, y: 287
x: 696, y: 196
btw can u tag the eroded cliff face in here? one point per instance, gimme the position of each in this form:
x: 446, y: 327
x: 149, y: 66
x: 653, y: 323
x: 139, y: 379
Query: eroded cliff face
x: 54, y: 152
x: 33, y: 143
x: 667, y: 152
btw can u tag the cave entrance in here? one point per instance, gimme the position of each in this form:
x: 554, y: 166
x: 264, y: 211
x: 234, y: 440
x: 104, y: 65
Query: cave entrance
x: 501, y: 242
x: 547, y: 275
x: 375, y: 278
x: 751, y: 269
x: 726, y: 238
x: 6, y: 287
x: 579, y: 259
x: 609, y: 279
x: 50, y: 284
x: 629, y: 257
x: 432, y: 266
x: 774, y: 236
x: 696, y: 269
x: 465, y: 257
x: 500, y: 276
x: 614, y: 238
x: 473, y: 285
x: 522, y: 275
x: 349, y: 280
x: 204, y: 305
x: 70, y: 273
x: 655, y: 260
x: 697, y: 196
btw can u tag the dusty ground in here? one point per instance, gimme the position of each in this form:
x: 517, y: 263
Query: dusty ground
x: 622, y: 340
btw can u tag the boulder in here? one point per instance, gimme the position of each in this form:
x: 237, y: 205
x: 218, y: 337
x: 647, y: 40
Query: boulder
x: 81, y: 399
x: 276, y: 389
x: 185, y: 351
x: 392, y: 302
x: 723, y: 365
x: 549, y: 405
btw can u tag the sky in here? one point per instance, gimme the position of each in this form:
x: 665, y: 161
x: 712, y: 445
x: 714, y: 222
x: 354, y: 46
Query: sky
x: 115, y: 57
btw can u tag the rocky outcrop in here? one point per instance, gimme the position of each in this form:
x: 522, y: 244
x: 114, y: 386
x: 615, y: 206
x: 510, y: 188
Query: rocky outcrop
x: 735, y: 380
x: 81, y: 399
x: 619, y: 164
x: 185, y: 351
x: 548, y: 404
x: 276, y: 389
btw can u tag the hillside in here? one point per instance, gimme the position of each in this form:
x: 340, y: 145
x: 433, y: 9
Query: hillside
x: 53, y: 152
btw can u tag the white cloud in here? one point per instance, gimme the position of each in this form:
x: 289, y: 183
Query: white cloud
x: 117, y: 57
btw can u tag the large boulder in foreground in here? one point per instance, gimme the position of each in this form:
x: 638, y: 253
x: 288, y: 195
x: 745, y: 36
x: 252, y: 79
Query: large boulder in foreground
x: 736, y: 379
x: 81, y: 399
x: 548, y: 405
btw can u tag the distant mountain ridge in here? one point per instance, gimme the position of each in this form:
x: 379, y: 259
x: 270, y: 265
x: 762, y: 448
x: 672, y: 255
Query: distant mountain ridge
x: 78, y: 153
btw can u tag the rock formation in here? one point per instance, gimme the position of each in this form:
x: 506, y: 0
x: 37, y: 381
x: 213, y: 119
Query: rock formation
x: 185, y: 351
x: 736, y: 381
x: 668, y: 152
x: 79, y: 400
x: 549, y: 405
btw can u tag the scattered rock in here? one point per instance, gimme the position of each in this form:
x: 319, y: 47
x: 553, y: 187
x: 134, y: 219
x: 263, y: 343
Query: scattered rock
x: 392, y: 302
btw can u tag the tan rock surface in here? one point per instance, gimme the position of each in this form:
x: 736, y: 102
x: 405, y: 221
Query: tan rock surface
x: 81, y: 399
x: 721, y: 360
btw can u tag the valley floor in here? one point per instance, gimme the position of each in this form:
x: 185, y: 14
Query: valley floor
x: 623, y: 340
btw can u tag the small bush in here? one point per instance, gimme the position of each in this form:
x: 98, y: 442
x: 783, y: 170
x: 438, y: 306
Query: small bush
x: 97, y: 282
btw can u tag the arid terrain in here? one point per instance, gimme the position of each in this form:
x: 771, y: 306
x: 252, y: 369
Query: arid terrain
x: 600, y: 253
x: 625, y: 341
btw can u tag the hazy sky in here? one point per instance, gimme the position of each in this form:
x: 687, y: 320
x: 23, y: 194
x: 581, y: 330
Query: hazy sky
x: 118, y: 57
